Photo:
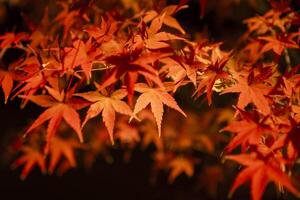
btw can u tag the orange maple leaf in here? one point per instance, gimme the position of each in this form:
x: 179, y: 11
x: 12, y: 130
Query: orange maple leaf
x: 279, y: 43
x: 59, y: 106
x: 29, y: 159
x: 155, y: 39
x: 252, y: 90
x: 168, y: 19
x: 60, y: 148
x: 156, y: 98
x: 179, y: 166
x: 108, y: 105
x: 105, y: 32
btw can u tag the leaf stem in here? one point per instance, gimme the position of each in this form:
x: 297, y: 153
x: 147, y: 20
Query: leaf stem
x: 287, y: 60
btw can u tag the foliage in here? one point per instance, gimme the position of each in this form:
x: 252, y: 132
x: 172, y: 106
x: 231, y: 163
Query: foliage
x: 125, y: 65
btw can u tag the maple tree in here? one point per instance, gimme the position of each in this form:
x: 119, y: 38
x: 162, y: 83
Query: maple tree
x: 123, y: 67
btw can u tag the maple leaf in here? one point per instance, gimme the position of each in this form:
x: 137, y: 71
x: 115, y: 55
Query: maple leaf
x: 260, y: 172
x: 191, y: 62
x: 105, y: 32
x: 108, y: 105
x: 32, y: 78
x: 278, y: 44
x: 209, y: 76
x: 137, y: 54
x: 252, y: 90
x: 60, y: 148
x: 248, y: 130
x: 168, y: 19
x: 148, y: 130
x: 25, y: 68
x: 252, y: 51
x: 67, y: 18
x: 290, y: 82
x: 29, y: 159
x: 156, y: 39
x: 179, y: 166
x: 174, y: 70
x: 131, y: 65
x: 63, y: 167
x: 59, y: 106
x: 30, y: 86
x: 81, y: 54
x: 156, y: 98
x: 127, y: 133
x: 7, y: 81
x: 11, y: 39
x: 262, y: 24
x: 150, y: 137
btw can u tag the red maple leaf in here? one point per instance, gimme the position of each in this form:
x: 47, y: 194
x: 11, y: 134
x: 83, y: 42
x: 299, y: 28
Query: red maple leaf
x: 59, y: 106
x: 10, y: 39
x: 278, y: 44
x: 260, y: 170
x: 131, y: 65
x: 62, y: 148
x: 29, y: 159
x: 209, y: 76
x: 105, y: 32
x: 67, y: 18
x: 252, y: 89
x: 6, y: 81
x: 248, y: 131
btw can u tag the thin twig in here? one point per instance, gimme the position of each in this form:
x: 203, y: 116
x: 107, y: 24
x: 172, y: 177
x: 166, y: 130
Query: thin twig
x: 287, y: 60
